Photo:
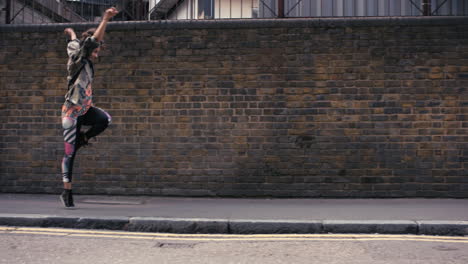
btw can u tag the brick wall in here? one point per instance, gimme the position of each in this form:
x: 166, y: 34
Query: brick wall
x: 284, y: 108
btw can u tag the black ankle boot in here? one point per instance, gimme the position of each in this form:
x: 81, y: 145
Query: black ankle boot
x: 65, y: 198
x: 70, y: 199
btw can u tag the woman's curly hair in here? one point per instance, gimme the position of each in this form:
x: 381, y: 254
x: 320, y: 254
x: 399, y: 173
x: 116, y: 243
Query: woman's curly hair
x: 88, y: 33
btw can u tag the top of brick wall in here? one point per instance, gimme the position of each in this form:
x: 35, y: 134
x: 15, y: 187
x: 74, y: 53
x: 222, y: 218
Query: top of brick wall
x: 248, y: 23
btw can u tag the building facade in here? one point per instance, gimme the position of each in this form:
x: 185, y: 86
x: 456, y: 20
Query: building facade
x: 227, y: 9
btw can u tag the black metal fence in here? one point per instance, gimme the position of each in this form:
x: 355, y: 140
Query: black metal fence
x: 53, y: 11
x: 62, y: 11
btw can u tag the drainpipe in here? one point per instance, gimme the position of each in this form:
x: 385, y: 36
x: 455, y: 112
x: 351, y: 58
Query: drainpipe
x: 426, y: 4
x: 280, y: 8
x: 7, y: 10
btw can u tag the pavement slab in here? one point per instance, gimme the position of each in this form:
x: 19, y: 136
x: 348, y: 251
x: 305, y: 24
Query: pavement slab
x: 239, y: 216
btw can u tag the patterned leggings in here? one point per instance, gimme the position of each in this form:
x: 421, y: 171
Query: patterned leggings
x: 95, y: 117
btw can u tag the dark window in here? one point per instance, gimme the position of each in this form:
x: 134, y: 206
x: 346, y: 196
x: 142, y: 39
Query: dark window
x: 205, y: 9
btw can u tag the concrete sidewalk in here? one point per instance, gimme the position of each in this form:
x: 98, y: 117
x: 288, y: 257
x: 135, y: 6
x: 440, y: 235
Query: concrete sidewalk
x: 240, y: 216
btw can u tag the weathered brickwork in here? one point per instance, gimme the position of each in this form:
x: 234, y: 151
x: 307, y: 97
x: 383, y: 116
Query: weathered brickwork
x: 291, y: 108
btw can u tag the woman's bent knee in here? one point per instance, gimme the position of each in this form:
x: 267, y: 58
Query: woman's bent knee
x: 68, y: 123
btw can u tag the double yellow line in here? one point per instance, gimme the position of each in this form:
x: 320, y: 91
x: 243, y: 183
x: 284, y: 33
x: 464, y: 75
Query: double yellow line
x: 224, y: 237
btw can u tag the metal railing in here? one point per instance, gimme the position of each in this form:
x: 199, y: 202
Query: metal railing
x: 229, y: 9
x: 60, y: 11
x: 53, y: 11
x: 38, y: 11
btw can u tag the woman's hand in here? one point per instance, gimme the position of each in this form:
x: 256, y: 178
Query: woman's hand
x: 110, y: 13
x: 70, y: 32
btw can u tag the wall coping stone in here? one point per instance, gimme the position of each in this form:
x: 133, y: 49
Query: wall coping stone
x: 248, y: 23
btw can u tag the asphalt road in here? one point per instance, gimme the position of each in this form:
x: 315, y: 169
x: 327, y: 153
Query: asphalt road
x: 46, y: 245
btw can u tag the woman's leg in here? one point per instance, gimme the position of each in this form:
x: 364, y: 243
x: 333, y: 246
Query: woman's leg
x: 95, y: 117
x: 98, y: 119
x: 71, y: 128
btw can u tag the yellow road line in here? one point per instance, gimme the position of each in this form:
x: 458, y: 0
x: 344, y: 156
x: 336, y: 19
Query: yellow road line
x: 264, y: 239
x: 109, y: 236
x: 70, y: 231
x: 279, y: 239
x: 37, y: 233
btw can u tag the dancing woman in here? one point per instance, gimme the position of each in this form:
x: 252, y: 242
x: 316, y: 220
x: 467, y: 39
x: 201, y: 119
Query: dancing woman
x: 78, y: 108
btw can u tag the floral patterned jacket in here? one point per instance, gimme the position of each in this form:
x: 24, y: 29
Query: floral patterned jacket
x: 79, y: 97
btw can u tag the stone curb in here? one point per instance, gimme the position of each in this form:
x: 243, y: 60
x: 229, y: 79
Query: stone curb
x: 178, y: 225
x: 225, y: 226
x: 115, y: 223
x: 275, y: 227
x: 381, y: 227
x: 443, y: 228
